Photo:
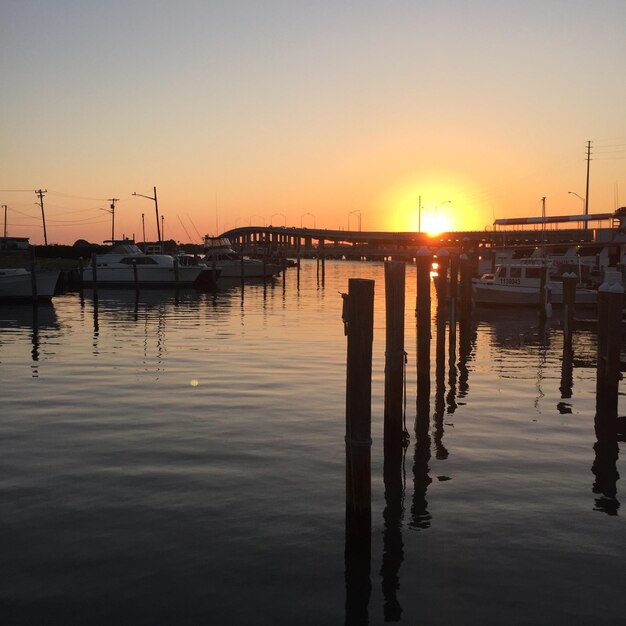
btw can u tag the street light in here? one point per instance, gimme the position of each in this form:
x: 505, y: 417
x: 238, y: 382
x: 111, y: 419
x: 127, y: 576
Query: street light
x: 262, y: 219
x: 579, y: 197
x: 279, y: 215
x: 304, y: 215
x: 156, y: 208
x: 357, y: 213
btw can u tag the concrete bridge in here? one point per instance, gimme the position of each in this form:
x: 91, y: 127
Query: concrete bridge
x: 374, y: 245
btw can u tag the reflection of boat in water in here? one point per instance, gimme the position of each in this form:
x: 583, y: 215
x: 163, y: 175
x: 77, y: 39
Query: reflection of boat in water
x: 18, y: 315
x: 127, y: 266
x: 16, y: 284
x: 518, y: 283
x: 219, y: 253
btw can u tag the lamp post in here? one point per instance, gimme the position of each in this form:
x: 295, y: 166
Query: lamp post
x: 304, y: 215
x: 156, y: 208
x: 358, y: 214
x: 584, y: 204
x: 279, y: 215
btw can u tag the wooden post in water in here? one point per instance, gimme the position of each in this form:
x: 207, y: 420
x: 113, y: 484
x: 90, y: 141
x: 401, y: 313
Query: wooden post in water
x: 545, y: 307
x: 466, y: 286
x: 443, y: 262
x: 81, y: 269
x: 94, y: 275
x: 610, y: 302
x: 176, y: 274
x: 33, y: 275
x: 394, y: 353
x: 135, y: 275
x: 360, y: 331
x: 454, y: 291
x: 359, y: 323
x: 569, y: 301
x: 243, y: 269
x: 423, y: 262
x: 323, y: 250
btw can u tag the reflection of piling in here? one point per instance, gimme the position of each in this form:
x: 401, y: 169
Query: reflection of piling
x: 423, y: 262
x: 610, y: 301
x: 33, y: 275
x: 94, y: 275
x: 393, y: 547
x: 440, y: 384
x: 359, y: 320
x: 323, y: 261
x: 394, y: 352
x: 605, y: 471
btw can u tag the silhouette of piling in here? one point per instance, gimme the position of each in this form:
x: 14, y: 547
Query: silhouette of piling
x: 423, y: 262
x: 33, y: 275
x: 545, y: 307
x: 610, y: 302
x: 94, y: 275
x: 394, y: 353
x: 176, y: 274
x: 465, y: 268
x: 358, y: 317
x: 135, y: 275
x: 443, y: 262
x: 569, y: 302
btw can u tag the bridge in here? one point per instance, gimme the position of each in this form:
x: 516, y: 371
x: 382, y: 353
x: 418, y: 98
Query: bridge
x: 377, y: 245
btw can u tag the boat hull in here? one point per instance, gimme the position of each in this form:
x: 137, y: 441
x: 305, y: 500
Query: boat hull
x: 16, y: 286
x: 250, y: 269
x: 147, y: 276
x: 490, y: 294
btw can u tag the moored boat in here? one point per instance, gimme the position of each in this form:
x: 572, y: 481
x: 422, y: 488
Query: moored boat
x: 220, y: 254
x: 16, y: 284
x: 518, y: 283
x: 127, y: 266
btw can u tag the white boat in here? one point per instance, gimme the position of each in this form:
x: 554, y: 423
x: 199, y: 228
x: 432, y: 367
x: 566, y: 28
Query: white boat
x: 518, y: 283
x: 220, y: 254
x: 127, y: 266
x: 16, y: 284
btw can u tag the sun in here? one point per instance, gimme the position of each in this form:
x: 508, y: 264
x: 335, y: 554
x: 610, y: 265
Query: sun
x: 435, y: 222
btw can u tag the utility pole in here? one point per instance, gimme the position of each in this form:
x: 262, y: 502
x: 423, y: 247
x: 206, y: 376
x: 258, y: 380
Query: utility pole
x: 40, y: 193
x: 543, y: 218
x: 113, y: 201
x: 143, y: 229
x: 587, y: 186
x: 156, y: 208
x: 4, y: 206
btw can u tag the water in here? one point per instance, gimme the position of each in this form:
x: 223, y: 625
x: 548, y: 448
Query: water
x: 182, y: 461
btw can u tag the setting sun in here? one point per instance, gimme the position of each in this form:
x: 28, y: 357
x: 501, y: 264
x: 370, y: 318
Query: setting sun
x: 435, y: 223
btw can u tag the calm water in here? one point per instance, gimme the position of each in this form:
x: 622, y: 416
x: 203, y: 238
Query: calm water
x: 182, y: 461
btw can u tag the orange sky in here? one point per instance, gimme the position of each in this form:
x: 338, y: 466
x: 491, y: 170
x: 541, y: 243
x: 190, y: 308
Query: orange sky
x: 284, y: 113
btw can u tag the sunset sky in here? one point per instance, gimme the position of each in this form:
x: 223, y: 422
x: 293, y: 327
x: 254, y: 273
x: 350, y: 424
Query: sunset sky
x: 299, y: 112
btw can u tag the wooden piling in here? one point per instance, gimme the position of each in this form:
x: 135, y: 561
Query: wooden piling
x: 359, y: 324
x: 569, y: 301
x: 610, y: 302
x: 545, y: 307
x: 94, y: 275
x: 360, y: 331
x: 395, y: 272
x: 466, y: 286
x: 176, y: 274
x: 135, y: 275
x: 424, y: 263
x: 443, y: 262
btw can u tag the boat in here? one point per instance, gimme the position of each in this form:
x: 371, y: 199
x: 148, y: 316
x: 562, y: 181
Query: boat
x: 218, y: 253
x: 16, y: 284
x: 125, y: 265
x: 518, y: 283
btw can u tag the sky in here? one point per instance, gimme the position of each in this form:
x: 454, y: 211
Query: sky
x: 339, y: 115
